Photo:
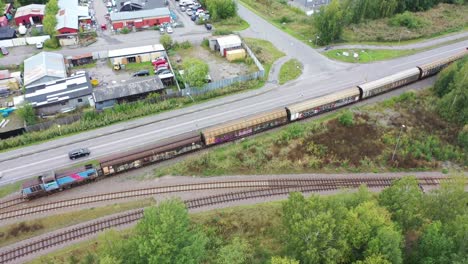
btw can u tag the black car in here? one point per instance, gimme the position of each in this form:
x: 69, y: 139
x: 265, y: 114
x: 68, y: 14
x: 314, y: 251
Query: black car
x: 141, y: 73
x: 194, y: 17
x: 78, y: 153
x: 208, y: 26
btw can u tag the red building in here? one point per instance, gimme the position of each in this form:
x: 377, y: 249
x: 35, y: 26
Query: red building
x: 25, y: 13
x: 67, y: 22
x: 140, y: 19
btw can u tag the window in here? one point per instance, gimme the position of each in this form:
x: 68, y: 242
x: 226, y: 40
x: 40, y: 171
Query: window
x: 80, y: 100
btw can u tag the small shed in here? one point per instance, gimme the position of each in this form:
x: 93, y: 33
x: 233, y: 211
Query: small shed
x: 237, y: 54
x: 225, y: 43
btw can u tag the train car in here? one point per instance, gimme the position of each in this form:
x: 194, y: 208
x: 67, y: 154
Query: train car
x: 32, y: 188
x: 435, y: 66
x: 244, y: 127
x: 389, y: 83
x: 322, y: 104
x: 49, y: 181
x: 75, y: 176
x: 161, y: 150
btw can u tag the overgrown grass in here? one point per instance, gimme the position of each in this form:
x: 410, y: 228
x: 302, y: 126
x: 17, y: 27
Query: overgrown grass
x: 13, y: 233
x: 85, y: 66
x: 367, y: 55
x: 314, y: 146
x: 10, y: 188
x: 231, y: 24
x: 443, y: 19
x: 265, y: 52
x: 259, y: 224
x: 133, y: 67
x: 290, y: 70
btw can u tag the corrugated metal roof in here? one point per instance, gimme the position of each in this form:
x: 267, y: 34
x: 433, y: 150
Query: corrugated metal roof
x: 67, y: 19
x: 229, y: 40
x: 138, y: 87
x: 389, y: 79
x: 30, y: 9
x: 60, y: 90
x: 44, y: 64
x: 157, y: 12
x: 323, y: 100
x: 72, y: 6
x: 135, y: 50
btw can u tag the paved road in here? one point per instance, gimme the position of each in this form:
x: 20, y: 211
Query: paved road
x: 321, y: 76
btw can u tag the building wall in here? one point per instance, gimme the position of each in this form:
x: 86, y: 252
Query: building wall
x: 58, y: 107
x: 145, y: 22
x: 138, y: 58
x: 20, y: 19
x: 66, y: 30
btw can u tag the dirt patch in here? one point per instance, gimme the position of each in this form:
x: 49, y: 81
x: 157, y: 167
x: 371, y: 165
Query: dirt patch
x: 347, y: 143
x: 21, y: 228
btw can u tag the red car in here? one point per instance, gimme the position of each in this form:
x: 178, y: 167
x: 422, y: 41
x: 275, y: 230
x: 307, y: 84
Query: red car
x: 165, y: 65
x: 158, y: 62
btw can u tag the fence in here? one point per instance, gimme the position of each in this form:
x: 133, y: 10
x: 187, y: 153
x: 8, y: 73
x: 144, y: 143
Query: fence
x: 59, y: 121
x: 23, y: 41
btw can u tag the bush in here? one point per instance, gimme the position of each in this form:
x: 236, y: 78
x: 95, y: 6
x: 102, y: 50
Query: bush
x: 166, y: 41
x: 205, y: 43
x: 285, y: 19
x: 52, y: 43
x: 408, y: 20
x: 220, y: 32
x: 125, y: 30
x: 35, y: 32
x: 186, y: 44
x: 27, y: 114
x: 346, y: 119
x: 463, y: 138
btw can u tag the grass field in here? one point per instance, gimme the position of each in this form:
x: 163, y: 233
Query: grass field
x: 265, y: 52
x: 23, y: 230
x: 326, y: 145
x: 10, y: 188
x: 290, y: 70
x: 231, y: 24
x: 367, y: 55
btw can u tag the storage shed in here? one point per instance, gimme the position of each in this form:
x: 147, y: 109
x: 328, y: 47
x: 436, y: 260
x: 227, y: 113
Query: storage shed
x: 225, y: 43
x: 25, y: 13
x: 136, y: 54
x: 237, y: 54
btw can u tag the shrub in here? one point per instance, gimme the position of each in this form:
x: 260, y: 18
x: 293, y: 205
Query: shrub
x: 27, y: 114
x: 285, y: 19
x: 346, y: 119
x: 125, y: 30
x: 220, y: 32
x: 408, y: 20
x: 205, y: 43
x: 35, y: 32
x: 186, y: 44
x: 463, y: 138
x: 52, y: 43
x: 166, y: 41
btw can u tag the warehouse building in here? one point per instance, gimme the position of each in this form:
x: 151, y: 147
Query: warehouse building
x: 42, y: 68
x: 136, y: 54
x: 140, y: 19
x: 33, y: 12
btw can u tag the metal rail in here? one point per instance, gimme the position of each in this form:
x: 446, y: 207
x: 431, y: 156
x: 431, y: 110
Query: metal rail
x: 10, y: 202
x: 274, y: 183
x: 99, y: 225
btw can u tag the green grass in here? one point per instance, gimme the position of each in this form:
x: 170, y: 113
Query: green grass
x: 231, y: 24
x: 368, y: 55
x: 10, y: 188
x: 133, y: 67
x: 290, y: 70
x: 259, y: 224
x: 265, y: 52
x: 23, y: 230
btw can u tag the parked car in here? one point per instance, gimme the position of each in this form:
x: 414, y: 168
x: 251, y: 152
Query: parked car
x: 328, y: 48
x: 4, y: 51
x: 208, y: 26
x: 182, y: 8
x: 161, y: 65
x: 161, y: 30
x: 189, y: 12
x: 193, y: 17
x: 169, y: 30
x: 160, y: 70
x: 39, y: 45
x: 141, y: 73
x: 78, y: 153
x: 164, y: 72
x: 158, y: 62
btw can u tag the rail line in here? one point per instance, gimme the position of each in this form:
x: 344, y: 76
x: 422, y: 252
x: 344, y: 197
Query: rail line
x: 11, y: 202
x: 273, y: 183
x: 305, y: 186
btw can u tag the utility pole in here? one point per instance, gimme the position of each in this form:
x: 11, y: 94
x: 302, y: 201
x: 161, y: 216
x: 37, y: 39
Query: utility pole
x: 398, y: 141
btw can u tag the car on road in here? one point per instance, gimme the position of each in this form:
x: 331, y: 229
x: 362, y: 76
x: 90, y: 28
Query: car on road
x: 79, y: 153
x: 141, y: 73
x: 169, y: 30
x: 208, y: 26
x: 4, y: 51
x: 40, y: 45
x: 161, y: 30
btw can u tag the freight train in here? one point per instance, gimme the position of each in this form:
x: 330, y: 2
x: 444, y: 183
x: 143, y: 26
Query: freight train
x: 192, y: 141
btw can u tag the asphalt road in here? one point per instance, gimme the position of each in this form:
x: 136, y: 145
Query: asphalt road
x: 321, y: 76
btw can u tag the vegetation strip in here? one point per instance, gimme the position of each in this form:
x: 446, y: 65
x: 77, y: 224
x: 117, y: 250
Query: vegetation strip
x: 290, y: 70
x: 135, y: 215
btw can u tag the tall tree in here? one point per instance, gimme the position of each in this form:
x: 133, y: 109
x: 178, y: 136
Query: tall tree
x: 404, y: 200
x: 315, y: 229
x: 165, y: 236
x: 329, y: 22
x: 434, y: 246
x: 195, y: 71
x: 236, y: 252
x: 283, y: 260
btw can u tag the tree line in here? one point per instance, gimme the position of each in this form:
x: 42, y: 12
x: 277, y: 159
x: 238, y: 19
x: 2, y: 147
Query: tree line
x: 331, y: 19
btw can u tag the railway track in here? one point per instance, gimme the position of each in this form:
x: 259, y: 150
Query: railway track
x: 263, y: 184
x: 10, y: 202
x: 304, y: 186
